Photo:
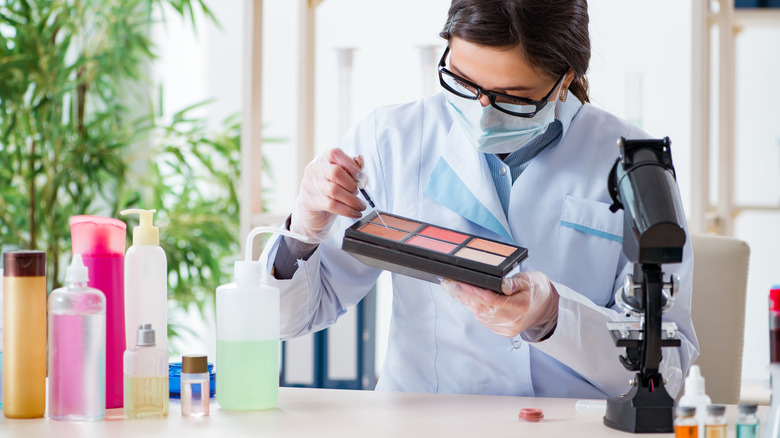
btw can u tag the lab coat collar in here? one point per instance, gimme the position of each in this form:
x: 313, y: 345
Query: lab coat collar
x: 565, y: 112
x: 461, y: 181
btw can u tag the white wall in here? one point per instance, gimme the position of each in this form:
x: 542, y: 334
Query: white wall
x: 758, y: 183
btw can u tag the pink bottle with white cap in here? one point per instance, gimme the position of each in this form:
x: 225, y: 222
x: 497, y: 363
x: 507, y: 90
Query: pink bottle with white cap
x: 101, y: 243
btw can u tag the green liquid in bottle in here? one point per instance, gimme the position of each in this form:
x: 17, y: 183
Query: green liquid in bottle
x: 248, y: 374
x: 747, y: 430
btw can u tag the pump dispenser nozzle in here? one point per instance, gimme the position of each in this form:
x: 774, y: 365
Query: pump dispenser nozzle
x: 145, y: 233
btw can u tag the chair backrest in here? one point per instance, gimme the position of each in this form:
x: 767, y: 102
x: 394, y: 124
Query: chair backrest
x: 720, y: 269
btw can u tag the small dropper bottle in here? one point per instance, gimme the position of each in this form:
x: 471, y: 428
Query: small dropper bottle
x: 696, y: 396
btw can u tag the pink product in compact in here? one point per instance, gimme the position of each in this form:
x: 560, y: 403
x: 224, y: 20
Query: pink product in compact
x: 430, y: 252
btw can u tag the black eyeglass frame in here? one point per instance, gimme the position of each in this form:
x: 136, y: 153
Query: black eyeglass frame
x: 492, y: 95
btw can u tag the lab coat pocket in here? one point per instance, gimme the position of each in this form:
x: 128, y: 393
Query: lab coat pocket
x: 591, y: 239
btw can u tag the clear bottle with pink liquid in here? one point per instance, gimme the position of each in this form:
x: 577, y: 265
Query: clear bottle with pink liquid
x: 101, y: 243
x: 77, y: 348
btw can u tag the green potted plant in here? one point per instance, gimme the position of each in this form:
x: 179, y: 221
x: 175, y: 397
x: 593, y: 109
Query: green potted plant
x: 78, y: 136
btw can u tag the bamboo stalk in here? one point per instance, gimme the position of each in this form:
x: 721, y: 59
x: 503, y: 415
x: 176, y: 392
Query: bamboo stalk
x: 31, y: 169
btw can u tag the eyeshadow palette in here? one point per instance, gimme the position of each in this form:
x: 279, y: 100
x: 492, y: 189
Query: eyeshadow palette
x: 430, y: 252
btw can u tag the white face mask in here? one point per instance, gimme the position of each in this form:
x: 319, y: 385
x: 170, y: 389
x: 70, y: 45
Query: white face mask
x: 494, y: 132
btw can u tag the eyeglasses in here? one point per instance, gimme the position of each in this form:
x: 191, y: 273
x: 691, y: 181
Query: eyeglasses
x: 513, y: 105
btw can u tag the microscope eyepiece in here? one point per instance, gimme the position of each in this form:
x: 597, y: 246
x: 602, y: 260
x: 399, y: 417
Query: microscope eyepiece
x: 642, y: 182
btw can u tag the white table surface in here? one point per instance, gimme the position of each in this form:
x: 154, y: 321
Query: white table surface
x: 343, y: 414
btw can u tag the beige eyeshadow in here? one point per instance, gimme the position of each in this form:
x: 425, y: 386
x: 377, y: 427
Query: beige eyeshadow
x: 387, y: 233
x: 494, y: 247
x: 480, y: 256
x: 396, y: 222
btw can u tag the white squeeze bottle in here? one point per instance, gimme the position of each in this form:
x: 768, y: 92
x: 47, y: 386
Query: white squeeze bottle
x: 248, y: 335
x: 146, y: 281
x: 695, y: 396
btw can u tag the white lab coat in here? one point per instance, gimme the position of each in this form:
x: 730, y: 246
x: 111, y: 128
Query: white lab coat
x: 420, y: 166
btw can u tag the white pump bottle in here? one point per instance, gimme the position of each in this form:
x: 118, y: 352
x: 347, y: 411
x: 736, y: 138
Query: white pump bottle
x: 146, y: 281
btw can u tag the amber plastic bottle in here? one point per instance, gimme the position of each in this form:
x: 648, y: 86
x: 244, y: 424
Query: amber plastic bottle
x: 24, y: 334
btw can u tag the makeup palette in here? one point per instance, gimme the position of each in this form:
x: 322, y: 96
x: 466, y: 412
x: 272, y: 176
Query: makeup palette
x: 430, y: 252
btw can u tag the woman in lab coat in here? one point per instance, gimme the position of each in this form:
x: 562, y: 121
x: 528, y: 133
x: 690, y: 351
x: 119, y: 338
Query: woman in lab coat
x: 509, y: 150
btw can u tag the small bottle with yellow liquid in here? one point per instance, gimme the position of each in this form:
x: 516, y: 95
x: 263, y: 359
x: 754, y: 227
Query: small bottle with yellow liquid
x: 146, y: 377
x: 715, y: 423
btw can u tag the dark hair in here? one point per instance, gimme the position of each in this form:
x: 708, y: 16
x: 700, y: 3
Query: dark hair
x: 553, y: 34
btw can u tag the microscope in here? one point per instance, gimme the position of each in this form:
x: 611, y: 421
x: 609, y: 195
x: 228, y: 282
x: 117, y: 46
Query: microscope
x: 643, y: 183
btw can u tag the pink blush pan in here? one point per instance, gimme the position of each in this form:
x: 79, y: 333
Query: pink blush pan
x: 436, y: 245
x: 442, y: 234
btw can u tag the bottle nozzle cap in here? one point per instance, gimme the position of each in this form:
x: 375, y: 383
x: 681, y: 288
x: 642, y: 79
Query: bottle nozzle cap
x: 694, y: 383
x: 76, y: 272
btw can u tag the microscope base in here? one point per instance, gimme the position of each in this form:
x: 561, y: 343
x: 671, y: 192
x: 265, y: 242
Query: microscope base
x: 641, y: 411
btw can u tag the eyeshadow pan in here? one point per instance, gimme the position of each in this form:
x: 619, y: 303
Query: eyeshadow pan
x: 493, y: 247
x: 480, y: 256
x: 436, y: 245
x: 387, y: 233
x: 396, y: 222
x: 441, y: 234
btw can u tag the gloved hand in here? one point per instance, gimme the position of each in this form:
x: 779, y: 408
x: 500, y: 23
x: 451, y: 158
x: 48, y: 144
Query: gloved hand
x: 529, y: 304
x: 329, y: 188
